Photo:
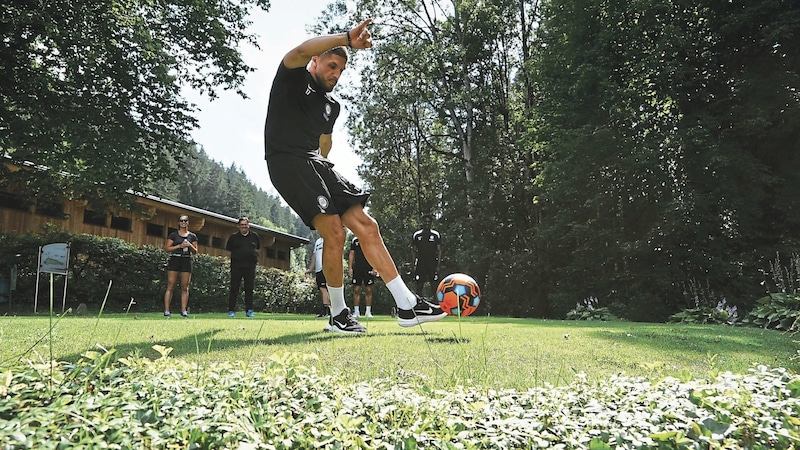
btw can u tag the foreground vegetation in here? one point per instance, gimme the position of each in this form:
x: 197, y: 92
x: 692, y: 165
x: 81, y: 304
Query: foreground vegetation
x: 167, y: 403
x: 280, y: 382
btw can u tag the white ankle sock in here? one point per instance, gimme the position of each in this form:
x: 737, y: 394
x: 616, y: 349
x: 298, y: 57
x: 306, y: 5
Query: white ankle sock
x: 368, y: 310
x: 403, y: 297
x: 337, y: 300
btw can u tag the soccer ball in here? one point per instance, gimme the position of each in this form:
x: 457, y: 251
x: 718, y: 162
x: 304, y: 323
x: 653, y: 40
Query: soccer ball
x: 458, y: 294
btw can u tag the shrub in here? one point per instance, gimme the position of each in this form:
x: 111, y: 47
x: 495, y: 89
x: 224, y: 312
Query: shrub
x: 287, y: 291
x: 722, y: 314
x: 588, y: 310
x: 780, y: 310
x: 138, y: 274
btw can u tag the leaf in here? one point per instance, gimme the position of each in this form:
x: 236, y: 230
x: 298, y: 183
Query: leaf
x: 163, y: 351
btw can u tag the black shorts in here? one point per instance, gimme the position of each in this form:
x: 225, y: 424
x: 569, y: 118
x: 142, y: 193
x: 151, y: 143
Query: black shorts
x: 426, y: 274
x: 310, y: 186
x: 363, y: 278
x: 179, y: 264
x: 320, y: 278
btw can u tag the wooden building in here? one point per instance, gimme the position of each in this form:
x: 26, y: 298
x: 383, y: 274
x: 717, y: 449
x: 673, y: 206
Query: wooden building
x: 150, y: 227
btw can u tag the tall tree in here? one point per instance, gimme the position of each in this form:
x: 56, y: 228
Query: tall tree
x: 657, y: 138
x: 90, y: 90
x: 621, y: 150
x: 207, y: 184
x: 440, y: 80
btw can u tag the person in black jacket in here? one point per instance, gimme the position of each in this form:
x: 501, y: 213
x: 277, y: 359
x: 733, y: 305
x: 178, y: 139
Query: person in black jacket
x: 244, y: 247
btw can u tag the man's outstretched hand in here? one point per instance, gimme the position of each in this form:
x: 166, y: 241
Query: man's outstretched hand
x: 360, y: 37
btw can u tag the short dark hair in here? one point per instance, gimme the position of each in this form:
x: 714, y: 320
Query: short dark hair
x: 339, y: 51
x: 243, y: 218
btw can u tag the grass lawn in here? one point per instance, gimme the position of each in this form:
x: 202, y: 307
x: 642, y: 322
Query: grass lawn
x: 489, y: 352
x: 468, y: 383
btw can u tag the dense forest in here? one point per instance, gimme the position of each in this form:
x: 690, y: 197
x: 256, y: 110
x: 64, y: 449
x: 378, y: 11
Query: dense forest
x: 207, y: 184
x: 641, y: 155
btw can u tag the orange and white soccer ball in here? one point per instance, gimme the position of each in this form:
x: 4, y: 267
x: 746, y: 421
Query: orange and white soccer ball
x: 458, y: 294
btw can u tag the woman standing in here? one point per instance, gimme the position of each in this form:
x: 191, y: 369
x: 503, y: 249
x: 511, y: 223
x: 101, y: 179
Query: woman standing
x: 181, y: 245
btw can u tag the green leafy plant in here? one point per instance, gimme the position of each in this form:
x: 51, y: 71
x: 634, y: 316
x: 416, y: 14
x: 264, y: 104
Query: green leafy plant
x: 722, y: 314
x: 589, y: 310
x: 780, y: 310
x: 285, y: 403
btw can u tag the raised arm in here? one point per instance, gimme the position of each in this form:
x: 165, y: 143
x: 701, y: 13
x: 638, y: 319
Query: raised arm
x: 302, y: 54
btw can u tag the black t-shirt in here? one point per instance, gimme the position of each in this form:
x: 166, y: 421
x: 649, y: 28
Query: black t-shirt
x: 360, y: 263
x: 299, y: 112
x: 427, y: 244
x: 244, y: 249
x: 177, y: 239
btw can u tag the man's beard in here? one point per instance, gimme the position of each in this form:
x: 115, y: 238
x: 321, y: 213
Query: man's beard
x: 323, y: 85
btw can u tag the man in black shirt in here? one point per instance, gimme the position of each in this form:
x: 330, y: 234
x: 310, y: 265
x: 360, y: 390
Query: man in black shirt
x: 244, y: 247
x: 361, y: 274
x: 297, y: 137
x: 426, y: 248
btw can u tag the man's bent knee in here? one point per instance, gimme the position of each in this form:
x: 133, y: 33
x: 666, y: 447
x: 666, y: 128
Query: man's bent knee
x: 329, y: 226
x: 361, y: 224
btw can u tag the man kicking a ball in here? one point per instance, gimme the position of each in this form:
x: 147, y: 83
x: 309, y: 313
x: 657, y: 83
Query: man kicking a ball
x: 297, y: 138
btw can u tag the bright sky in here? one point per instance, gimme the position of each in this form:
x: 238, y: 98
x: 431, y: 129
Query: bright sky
x: 231, y: 129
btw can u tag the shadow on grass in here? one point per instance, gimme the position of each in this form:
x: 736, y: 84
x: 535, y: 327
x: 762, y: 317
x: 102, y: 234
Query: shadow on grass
x: 206, y: 341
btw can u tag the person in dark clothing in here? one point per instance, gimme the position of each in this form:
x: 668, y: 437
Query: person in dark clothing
x: 244, y: 247
x: 181, y: 245
x: 361, y: 274
x: 426, y: 249
x: 297, y: 140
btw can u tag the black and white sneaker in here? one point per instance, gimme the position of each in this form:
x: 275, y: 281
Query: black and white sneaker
x: 344, y: 322
x: 424, y: 311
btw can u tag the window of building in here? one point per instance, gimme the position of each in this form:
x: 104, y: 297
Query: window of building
x: 93, y: 218
x: 281, y: 255
x: 202, y: 239
x: 216, y: 242
x: 271, y: 253
x: 121, y: 223
x: 155, y: 230
x: 11, y: 201
x: 50, y: 208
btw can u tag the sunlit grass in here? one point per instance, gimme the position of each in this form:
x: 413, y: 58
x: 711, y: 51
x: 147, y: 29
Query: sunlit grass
x: 474, y: 351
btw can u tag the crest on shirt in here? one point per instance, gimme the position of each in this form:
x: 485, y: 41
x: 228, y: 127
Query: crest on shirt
x: 323, y: 203
x: 328, y: 111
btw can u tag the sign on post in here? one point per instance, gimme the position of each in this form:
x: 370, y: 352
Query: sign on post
x: 54, y: 259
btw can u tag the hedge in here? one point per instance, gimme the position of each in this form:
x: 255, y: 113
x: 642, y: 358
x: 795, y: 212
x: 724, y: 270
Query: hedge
x: 137, y: 276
